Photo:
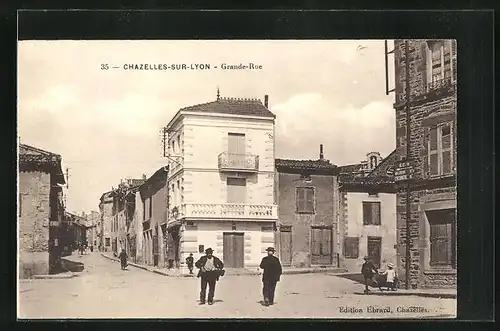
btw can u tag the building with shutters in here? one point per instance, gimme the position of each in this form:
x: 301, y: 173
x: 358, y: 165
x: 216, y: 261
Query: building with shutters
x: 307, y: 194
x: 367, y: 208
x: 428, y: 223
x: 221, y: 159
x: 154, y: 209
x: 106, y: 221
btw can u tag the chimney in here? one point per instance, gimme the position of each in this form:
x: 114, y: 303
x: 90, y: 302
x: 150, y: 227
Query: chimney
x: 144, y: 177
x: 321, y: 152
x: 266, y: 100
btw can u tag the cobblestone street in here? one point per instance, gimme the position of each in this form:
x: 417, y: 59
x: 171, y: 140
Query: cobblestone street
x: 102, y: 290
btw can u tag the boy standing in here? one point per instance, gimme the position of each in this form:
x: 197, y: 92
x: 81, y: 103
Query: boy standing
x: 368, y: 270
x: 190, y: 263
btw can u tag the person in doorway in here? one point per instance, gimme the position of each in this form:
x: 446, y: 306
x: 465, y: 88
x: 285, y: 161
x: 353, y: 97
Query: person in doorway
x: 210, y: 271
x: 272, y: 273
x: 391, y: 277
x: 368, y: 270
x: 123, y: 259
x: 190, y: 263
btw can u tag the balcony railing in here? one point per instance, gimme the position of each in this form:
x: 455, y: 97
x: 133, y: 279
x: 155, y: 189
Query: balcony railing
x: 439, y: 84
x: 228, y: 210
x: 238, y: 162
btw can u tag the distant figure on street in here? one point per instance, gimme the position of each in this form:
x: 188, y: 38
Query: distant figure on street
x: 190, y: 263
x: 123, y: 259
x: 92, y: 248
x: 211, y: 268
x: 390, y: 278
x: 272, y: 273
x: 368, y: 270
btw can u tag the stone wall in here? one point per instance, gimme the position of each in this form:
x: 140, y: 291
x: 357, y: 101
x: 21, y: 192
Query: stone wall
x: 426, y: 108
x: 34, y: 204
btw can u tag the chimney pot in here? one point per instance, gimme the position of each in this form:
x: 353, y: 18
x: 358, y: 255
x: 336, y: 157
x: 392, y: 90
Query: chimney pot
x: 321, y: 156
x: 266, y: 100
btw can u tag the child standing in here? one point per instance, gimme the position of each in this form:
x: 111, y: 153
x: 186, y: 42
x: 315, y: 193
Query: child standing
x: 391, y: 277
x: 190, y: 263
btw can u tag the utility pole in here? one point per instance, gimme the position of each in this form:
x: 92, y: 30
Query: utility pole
x: 408, y: 151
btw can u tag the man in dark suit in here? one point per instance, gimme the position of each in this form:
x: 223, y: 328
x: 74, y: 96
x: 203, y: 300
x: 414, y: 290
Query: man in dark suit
x: 210, y: 271
x: 272, y: 273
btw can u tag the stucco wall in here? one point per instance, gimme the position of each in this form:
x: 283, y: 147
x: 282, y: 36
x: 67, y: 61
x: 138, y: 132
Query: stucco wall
x: 325, y: 212
x: 386, y: 230
x: 210, y: 234
x: 34, y: 191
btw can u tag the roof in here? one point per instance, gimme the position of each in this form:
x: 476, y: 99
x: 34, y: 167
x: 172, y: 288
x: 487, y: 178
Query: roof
x: 36, y: 159
x: 314, y: 166
x: 154, y: 183
x: 351, y: 168
x: 233, y: 106
x: 379, y: 177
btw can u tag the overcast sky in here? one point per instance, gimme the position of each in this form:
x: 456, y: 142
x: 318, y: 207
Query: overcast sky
x: 106, y: 124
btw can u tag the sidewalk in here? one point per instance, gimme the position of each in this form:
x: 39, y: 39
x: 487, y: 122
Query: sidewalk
x: 426, y: 293
x: 229, y: 271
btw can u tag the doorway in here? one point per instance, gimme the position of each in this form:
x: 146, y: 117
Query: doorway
x: 375, y: 250
x: 321, y: 245
x: 233, y: 249
x: 285, y: 237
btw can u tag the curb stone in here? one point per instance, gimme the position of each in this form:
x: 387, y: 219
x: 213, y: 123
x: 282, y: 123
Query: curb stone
x: 65, y: 275
x: 419, y: 294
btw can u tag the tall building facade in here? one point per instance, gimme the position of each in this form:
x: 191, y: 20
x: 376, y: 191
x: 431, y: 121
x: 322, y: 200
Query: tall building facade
x: 221, y: 181
x: 425, y: 105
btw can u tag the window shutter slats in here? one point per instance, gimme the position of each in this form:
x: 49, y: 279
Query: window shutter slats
x: 433, y: 138
x: 376, y: 213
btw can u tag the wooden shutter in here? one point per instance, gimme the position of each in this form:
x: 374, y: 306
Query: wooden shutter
x: 301, y: 199
x: 309, y: 200
x: 367, y: 213
x: 376, y: 213
x: 441, y: 239
x: 236, y: 190
x: 446, y: 157
x: 425, y: 154
x: 433, y: 152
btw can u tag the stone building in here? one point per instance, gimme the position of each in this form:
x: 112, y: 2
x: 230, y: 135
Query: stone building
x: 367, y: 207
x: 221, y: 158
x: 432, y: 158
x: 307, y: 195
x: 154, y: 205
x: 106, y: 221
x: 40, y: 211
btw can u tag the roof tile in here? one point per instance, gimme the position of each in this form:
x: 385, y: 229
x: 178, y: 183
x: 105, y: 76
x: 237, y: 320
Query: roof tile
x: 233, y: 106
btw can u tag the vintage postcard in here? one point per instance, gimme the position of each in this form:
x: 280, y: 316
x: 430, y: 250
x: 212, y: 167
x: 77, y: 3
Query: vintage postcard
x: 237, y: 179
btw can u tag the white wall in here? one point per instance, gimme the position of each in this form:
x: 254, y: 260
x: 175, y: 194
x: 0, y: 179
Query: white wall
x: 387, y: 229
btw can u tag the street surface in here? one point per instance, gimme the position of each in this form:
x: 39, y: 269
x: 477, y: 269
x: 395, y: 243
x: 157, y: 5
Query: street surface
x: 102, y: 290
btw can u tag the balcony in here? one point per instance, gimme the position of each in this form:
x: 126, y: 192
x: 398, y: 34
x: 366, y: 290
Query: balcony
x: 238, y: 162
x: 230, y: 211
x: 439, y: 84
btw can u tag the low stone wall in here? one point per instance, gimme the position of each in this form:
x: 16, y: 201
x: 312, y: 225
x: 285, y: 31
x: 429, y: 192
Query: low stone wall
x: 31, y: 264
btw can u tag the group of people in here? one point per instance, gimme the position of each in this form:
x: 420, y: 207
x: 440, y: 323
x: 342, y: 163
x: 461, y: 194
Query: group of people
x: 83, y: 246
x: 387, y: 278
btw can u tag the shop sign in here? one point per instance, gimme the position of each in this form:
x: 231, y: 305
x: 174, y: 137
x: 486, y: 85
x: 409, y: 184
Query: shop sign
x: 404, y: 171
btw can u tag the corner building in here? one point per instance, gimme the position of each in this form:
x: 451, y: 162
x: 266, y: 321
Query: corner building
x: 432, y: 114
x: 221, y: 177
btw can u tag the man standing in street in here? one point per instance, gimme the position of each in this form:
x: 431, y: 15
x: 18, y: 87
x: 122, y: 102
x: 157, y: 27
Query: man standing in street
x: 272, y: 273
x: 210, y: 271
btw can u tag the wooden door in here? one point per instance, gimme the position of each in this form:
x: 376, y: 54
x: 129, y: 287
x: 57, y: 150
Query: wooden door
x: 233, y: 250
x: 286, y: 245
x: 375, y: 250
x: 321, y: 246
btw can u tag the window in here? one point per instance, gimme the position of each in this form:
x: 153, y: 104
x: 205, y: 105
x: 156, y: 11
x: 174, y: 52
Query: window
x: 107, y: 242
x: 373, y: 162
x: 305, y: 200
x: 442, y: 237
x: 440, y: 147
x: 351, y: 247
x: 371, y: 213
x: 439, y: 68
x: 236, y: 190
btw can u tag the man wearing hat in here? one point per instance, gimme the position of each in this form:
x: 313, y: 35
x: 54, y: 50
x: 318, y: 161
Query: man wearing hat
x: 368, y: 270
x: 210, y: 271
x: 272, y: 273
